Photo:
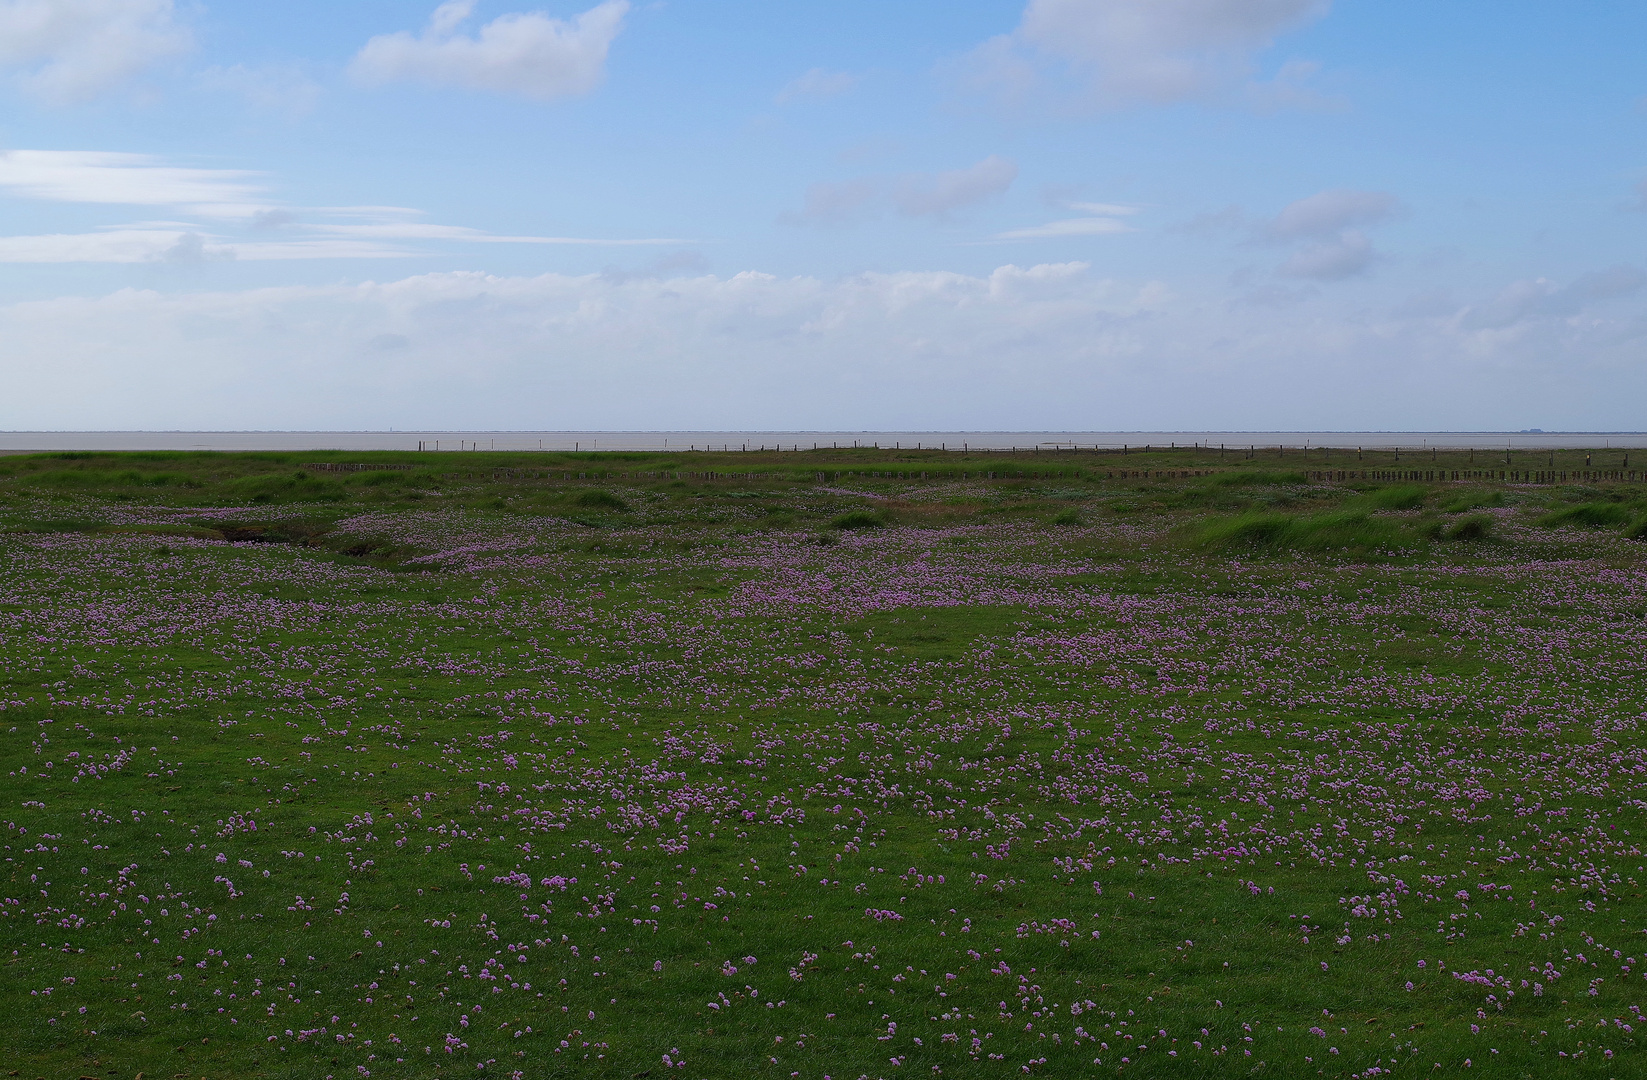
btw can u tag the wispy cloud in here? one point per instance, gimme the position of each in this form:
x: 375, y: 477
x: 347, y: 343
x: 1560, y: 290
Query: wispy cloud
x: 138, y: 245
x: 1103, y: 219
x: 96, y: 176
x: 915, y: 195
x: 226, y: 199
x: 412, y: 230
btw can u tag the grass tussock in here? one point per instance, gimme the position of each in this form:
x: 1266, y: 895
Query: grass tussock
x: 1343, y: 531
x: 858, y: 519
x: 1396, y: 497
x: 1591, y: 515
x: 1468, y: 529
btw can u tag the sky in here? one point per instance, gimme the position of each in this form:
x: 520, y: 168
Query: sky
x: 1078, y: 215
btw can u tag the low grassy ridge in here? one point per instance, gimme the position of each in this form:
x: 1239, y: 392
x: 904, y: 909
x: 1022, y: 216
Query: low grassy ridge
x: 873, y: 766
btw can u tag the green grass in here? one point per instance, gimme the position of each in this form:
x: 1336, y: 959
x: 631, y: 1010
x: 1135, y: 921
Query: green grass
x: 1395, y: 497
x: 600, y: 500
x: 1592, y: 515
x: 1470, y: 528
x: 858, y: 519
x: 1219, y: 775
x: 1258, y: 477
x: 1473, y: 500
x: 1340, y: 531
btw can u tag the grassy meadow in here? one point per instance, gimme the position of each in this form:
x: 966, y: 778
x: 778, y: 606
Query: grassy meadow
x: 830, y: 765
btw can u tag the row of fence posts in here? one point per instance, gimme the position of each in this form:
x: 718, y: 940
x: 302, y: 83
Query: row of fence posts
x: 1508, y: 476
x: 1513, y: 476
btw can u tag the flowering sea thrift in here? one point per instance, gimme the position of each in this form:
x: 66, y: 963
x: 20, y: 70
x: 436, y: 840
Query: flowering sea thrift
x: 981, y: 800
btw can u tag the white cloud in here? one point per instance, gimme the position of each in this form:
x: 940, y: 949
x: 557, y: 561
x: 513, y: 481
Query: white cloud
x: 115, y: 246
x: 817, y: 83
x: 308, y: 248
x: 529, y: 54
x: 414, y: 230
x: 95, y: 176
x: 1043, y: 347
x: 1119, y: 52
x: 1088, y: 226
x: 935, y: 195
x: 67, y: 51
x: 140, y: 244
x: 1103, y: 222
x: 607, y: 347
x: 1105, y: 209
x: 154, y: 245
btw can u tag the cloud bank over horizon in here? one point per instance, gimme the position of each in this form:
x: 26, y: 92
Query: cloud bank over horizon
x: 1048, y: 346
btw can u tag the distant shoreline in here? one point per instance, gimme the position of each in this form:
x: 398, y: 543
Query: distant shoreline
x: 24, y: 442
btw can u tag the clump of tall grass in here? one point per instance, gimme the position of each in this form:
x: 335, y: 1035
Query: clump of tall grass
x: 858, y: 519
x: 599, y: 500
x: 1339, y: 531
x: 1395, y: 497
x: 1592, y: 515
x: 1473, y: 527
x: 293, y: 487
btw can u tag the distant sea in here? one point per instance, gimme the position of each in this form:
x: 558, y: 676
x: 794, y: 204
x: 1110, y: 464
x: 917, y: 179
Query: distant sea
x: 38, y: 441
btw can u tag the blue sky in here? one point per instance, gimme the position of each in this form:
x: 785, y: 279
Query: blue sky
x: 1069, y: 214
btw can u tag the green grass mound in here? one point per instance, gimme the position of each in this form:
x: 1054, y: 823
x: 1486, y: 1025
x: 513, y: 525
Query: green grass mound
x: 1397, y: 497
x: 1466, y: 529
x: 1591, y: 515
x: 1343, y: 531
x: 858, y: 519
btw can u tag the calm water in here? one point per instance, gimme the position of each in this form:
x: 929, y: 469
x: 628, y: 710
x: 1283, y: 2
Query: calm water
x: 25, y: 441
